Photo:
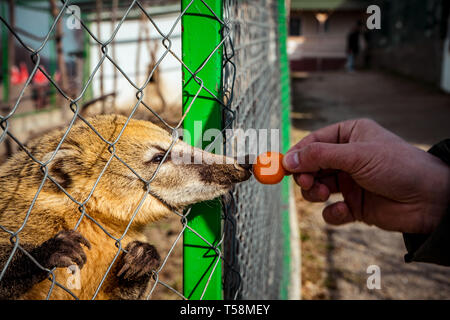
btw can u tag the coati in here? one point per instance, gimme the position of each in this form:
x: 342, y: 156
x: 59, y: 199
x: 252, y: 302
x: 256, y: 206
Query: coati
x: 49, y: 235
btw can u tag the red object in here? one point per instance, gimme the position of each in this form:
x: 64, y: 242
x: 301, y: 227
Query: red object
x: 268, y: 168
x: 57, y: 76
x: 15, y: 75
x: 23, y: 72
x: 39, y: 77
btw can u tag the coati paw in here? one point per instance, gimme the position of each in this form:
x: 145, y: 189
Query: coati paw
x: 64, y: 250
x: 139, y: 261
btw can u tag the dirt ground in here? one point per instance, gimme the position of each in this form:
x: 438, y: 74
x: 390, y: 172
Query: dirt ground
x: 163, y: 235
x: 335, y: 259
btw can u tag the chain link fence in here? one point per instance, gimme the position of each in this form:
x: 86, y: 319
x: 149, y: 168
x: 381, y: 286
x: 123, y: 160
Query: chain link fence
x: 257, y: 253
x: 251, y: 236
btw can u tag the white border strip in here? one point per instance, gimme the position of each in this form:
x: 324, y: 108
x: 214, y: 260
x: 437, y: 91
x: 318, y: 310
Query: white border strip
x: 295, y: 285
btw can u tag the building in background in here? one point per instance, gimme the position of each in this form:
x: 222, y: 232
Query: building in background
x: 69, y: 52
x: 414, y: 40
x: 138, y: 48
x: 318, y: 31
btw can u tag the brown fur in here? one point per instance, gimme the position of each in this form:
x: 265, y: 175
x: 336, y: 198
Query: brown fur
x: 76, y: 167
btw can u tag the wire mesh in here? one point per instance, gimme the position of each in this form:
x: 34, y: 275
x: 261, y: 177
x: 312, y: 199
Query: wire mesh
x: 73, y: 103
x: 251, y: 234
x: 255, y: 242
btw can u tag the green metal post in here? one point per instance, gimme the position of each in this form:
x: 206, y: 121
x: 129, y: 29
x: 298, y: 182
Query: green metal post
x: 285, y: 136
x: 200, y: 36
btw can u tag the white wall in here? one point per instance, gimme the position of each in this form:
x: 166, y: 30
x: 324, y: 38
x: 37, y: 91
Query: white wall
x: 170, y: 68
x: 314, y: 43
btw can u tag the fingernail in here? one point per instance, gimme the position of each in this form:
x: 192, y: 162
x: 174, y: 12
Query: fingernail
x: 291, y: 160
x: 337, y: 213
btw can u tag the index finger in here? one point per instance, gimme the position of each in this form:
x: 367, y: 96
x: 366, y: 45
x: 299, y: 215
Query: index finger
x: 335, y: 133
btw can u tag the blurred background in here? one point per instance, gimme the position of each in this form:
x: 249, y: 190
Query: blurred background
x: 397, y: 75
x: 70, y: 56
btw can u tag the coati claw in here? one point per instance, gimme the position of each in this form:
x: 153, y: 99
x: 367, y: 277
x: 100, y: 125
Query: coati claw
x: 139, y: 261
x: 64, y: 250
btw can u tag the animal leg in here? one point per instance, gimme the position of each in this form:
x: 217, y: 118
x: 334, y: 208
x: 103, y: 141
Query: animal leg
x: 62, y: 250
x: 134, y: 270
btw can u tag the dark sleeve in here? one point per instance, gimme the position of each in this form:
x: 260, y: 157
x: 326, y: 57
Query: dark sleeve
x: 434, y: 247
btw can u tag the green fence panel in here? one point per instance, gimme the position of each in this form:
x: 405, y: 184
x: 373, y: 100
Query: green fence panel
x: 200, y: 36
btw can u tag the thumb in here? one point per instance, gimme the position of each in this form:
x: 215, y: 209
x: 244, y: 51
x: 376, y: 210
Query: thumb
x: 319, y: 155
x: 337, y: 213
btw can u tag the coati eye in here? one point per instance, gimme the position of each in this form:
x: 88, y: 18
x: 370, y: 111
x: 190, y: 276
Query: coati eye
x: 157, y: 158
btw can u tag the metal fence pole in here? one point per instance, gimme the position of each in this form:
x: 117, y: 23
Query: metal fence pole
x: 201, y: 33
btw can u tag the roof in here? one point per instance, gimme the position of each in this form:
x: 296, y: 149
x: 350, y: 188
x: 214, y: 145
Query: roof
x: 90, y: 5
x: 329, y: 4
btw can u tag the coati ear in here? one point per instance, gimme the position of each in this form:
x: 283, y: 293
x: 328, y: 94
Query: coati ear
x: 59, y: 167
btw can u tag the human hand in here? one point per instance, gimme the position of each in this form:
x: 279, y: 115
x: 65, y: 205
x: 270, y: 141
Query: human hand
x: 384, y: 180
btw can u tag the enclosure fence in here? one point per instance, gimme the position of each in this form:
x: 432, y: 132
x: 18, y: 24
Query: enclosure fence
x: 259, y: 210
x: 233, y: 77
